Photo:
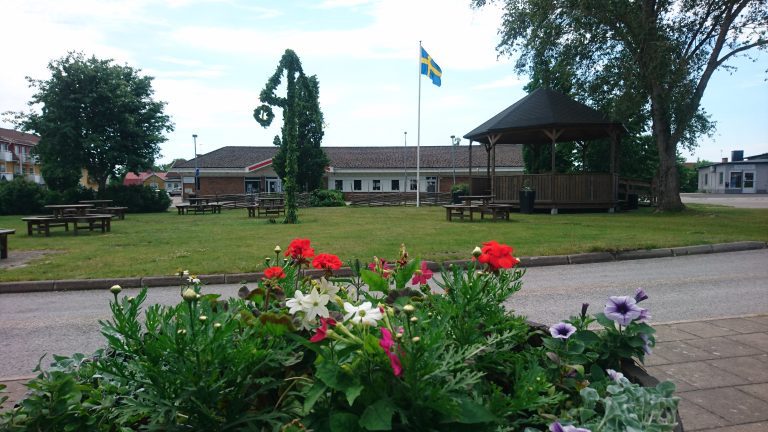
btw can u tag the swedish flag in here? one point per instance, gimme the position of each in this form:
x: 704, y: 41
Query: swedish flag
x: 430, y: 68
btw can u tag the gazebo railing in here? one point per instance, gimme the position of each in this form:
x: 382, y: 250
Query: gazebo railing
x: 575, y: 190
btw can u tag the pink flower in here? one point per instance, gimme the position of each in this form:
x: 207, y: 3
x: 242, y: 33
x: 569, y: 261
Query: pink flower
x: 322, y: 331
x: 381, y: 266
x: 387, y: 343
x: 421, y: 277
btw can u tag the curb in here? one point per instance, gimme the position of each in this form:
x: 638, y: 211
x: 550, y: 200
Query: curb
x: 537, y: 261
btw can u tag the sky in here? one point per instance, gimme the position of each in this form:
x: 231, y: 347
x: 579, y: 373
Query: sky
x: 211, y: 58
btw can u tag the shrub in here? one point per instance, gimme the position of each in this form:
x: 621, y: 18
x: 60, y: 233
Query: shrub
x: 461, y: 188
x: 326, y: 198
x: 70, y: 196
x: 21, y: 197
x: 138, y: 198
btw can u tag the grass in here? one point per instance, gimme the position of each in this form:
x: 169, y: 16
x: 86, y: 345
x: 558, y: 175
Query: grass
x: 160, y: 244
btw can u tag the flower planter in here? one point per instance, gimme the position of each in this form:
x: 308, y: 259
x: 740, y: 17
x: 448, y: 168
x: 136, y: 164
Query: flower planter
x: 527, y: 200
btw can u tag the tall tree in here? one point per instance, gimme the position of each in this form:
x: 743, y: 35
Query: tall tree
x: 293, y: 104
x: 95, y: 115
x: 653, y: 57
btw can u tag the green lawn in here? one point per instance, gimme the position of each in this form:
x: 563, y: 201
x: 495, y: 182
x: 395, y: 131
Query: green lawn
x: 160, y: 244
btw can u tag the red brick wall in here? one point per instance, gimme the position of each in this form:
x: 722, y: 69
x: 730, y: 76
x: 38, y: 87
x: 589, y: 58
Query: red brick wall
x: 446, y: 181
x: 222, y: 185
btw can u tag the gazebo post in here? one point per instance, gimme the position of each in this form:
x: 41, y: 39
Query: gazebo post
x: 553, y: 135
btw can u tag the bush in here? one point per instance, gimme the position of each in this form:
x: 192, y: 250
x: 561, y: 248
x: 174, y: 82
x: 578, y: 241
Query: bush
x: 462, y: 188
x: 326, y: 198
x: 138, y: 198
x: 70, y: 196
x: 21, y: 197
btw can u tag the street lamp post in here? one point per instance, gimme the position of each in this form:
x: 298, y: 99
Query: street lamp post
x: 405, y: 166
x: 197, y: 170
x: 454, y: 142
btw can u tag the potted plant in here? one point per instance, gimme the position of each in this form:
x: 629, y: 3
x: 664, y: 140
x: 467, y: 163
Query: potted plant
x: 457, y: 191
x: 527, y: 197
x: 387, y: 348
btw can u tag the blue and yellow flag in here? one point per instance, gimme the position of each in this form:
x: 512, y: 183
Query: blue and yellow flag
x: 430, y: 68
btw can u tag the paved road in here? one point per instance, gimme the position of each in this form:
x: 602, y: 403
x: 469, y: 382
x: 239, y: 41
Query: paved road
x: 731, y: 200
x: 681, y: 288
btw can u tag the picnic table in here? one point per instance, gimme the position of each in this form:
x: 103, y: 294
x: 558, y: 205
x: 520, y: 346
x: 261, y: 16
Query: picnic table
x: 482, y: 204
x: 267, y: 206
x: 200, y: 207
x: 98, y: 203
x: 102, y: 206
x: 61, y: 210
x: 4, y: 241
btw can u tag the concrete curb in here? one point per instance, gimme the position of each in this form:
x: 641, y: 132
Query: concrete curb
x: 537, y: 261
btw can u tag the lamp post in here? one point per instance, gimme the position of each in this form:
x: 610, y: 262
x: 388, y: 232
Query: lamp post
x: 454, y: 142
x: 405, y: 166
x: 197, y: 170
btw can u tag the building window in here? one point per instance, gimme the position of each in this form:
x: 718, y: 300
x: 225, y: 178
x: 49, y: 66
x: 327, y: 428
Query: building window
x: 395, y: 185
x: 338, y: 185
x: 706, y: 179
x: 358, y: 185
x: 412, y: 185
x: 720, y: 178
x: 432, y: 184
x: 2, y: 168
x: 377, y: 185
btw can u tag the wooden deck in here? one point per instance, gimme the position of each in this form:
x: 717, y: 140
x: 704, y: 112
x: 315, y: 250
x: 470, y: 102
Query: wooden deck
x: 555, y: 191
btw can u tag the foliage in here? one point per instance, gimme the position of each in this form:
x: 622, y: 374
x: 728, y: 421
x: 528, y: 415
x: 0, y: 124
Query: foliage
x: 462, y: 188
x: 689, y: 177
x: 326, y: 198
x: 21, y: 196
x: 383, y: 349
x: 96, y: 115
x: 302, y: 130
x: 138, y: 198
x: 646, y: 63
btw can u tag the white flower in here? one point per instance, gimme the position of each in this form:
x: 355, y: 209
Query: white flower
x: 366, y: 313
x: 294, y: 303
x: 186, y: 273
x: 328, y: 288
x: 314, y: 304
x: 193, y: 280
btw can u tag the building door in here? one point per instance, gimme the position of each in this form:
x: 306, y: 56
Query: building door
x: 274, y: 185
x: 735, y: 180
x: 252, y: 186
x: 749, y: 182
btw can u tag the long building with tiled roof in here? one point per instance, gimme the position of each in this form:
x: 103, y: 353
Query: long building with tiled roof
x: 235, y: 169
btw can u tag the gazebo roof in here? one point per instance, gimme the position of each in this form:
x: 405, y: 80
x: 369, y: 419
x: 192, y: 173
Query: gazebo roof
x: 525, y: 121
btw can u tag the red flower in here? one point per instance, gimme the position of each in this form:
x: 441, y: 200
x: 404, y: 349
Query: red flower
x: 421, y: 277
x: 300, y: 250
x: 274, y: 273
x: 381, y: 266
x: 387, y: 343
x: 497, y: 256
x: 326, y: 262
x: 322, y: 331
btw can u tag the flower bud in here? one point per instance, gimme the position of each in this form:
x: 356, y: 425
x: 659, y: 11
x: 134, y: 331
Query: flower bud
x: 131, y: 298
x: 216, y: 325
x: 414, y: 319
x: 203, y: 318
x: 415, y: 339
x: 181, y: 331
x: 476, y: 252
x: 267, y: 259
x: 189, y: 295
x: 115, y: 289
x: 408, y: 308
x: 398, y: 336
x: 185, y: 273
x: 278, y: 249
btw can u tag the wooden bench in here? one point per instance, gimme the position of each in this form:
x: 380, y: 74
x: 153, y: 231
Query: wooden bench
x: 102, y: 221
x: 266, y: 208
x: 118, y: 212
x: 182, y: 208
x: 496, y: 211
x: 43, y: 224
x: 460, y: 211
x: 4, y: 242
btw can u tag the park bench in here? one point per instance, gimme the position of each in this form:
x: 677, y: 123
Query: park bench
x: 118, y: 212
x: 460, y: 211
x: 43, y: 224
x: 267, y: 207
x: 4, y: 242
x: 496, y: 211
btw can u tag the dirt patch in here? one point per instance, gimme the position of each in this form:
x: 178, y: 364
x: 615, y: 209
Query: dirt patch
x: 18, y: 259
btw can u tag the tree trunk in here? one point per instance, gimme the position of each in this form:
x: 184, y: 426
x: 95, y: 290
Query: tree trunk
x: 668, y: 192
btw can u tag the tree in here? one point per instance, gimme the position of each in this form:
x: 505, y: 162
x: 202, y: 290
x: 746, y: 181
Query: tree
x: 95, y: 115
x: 652, y: 57
x: 302, y: 130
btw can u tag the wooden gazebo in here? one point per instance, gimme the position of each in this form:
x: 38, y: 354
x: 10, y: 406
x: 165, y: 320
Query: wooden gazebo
x: 546, y: 117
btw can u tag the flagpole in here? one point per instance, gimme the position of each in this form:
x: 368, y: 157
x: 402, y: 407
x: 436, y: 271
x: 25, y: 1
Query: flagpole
x: 418, y: 136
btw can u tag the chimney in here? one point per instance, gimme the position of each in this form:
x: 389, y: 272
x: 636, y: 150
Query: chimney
x: 737, y: 155
x: 725, y: 160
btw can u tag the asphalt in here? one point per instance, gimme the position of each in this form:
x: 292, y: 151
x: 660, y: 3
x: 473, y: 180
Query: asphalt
x: 720, y: 366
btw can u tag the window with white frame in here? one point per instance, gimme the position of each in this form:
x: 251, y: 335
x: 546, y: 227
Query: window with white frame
x: 377, y: 185
x: 413, y: 184
x: 357, y: 185
x: 395, y: 185
x: 338, y: 185
x: 431, y: 184
x: 720, y: 178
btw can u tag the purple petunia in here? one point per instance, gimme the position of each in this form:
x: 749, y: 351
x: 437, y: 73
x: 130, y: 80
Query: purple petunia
x: 640, y: 295
x: 615, y: 376
x: 562, y: 330
x: 644, y: 316
x: 646, y: 345
x: 557, y: 427
x: 622, y: 309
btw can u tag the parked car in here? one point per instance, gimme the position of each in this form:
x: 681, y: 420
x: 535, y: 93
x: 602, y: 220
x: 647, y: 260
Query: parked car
x: 174, y: 192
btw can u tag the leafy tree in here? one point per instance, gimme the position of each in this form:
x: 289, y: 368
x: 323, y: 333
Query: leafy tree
x: 95, y: 115
x: 302, y: 130
x: 650, y: 58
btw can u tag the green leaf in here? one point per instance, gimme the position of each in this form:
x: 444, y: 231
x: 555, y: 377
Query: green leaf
x: 405, y: 273
x: 588, y: 337
x: 374, y: 281
x: 312, y: 395
x: 378, y: 416
x: 605, y: 321
x: 470, y: 412
x: 343, y: 422
x: 352, y: 392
